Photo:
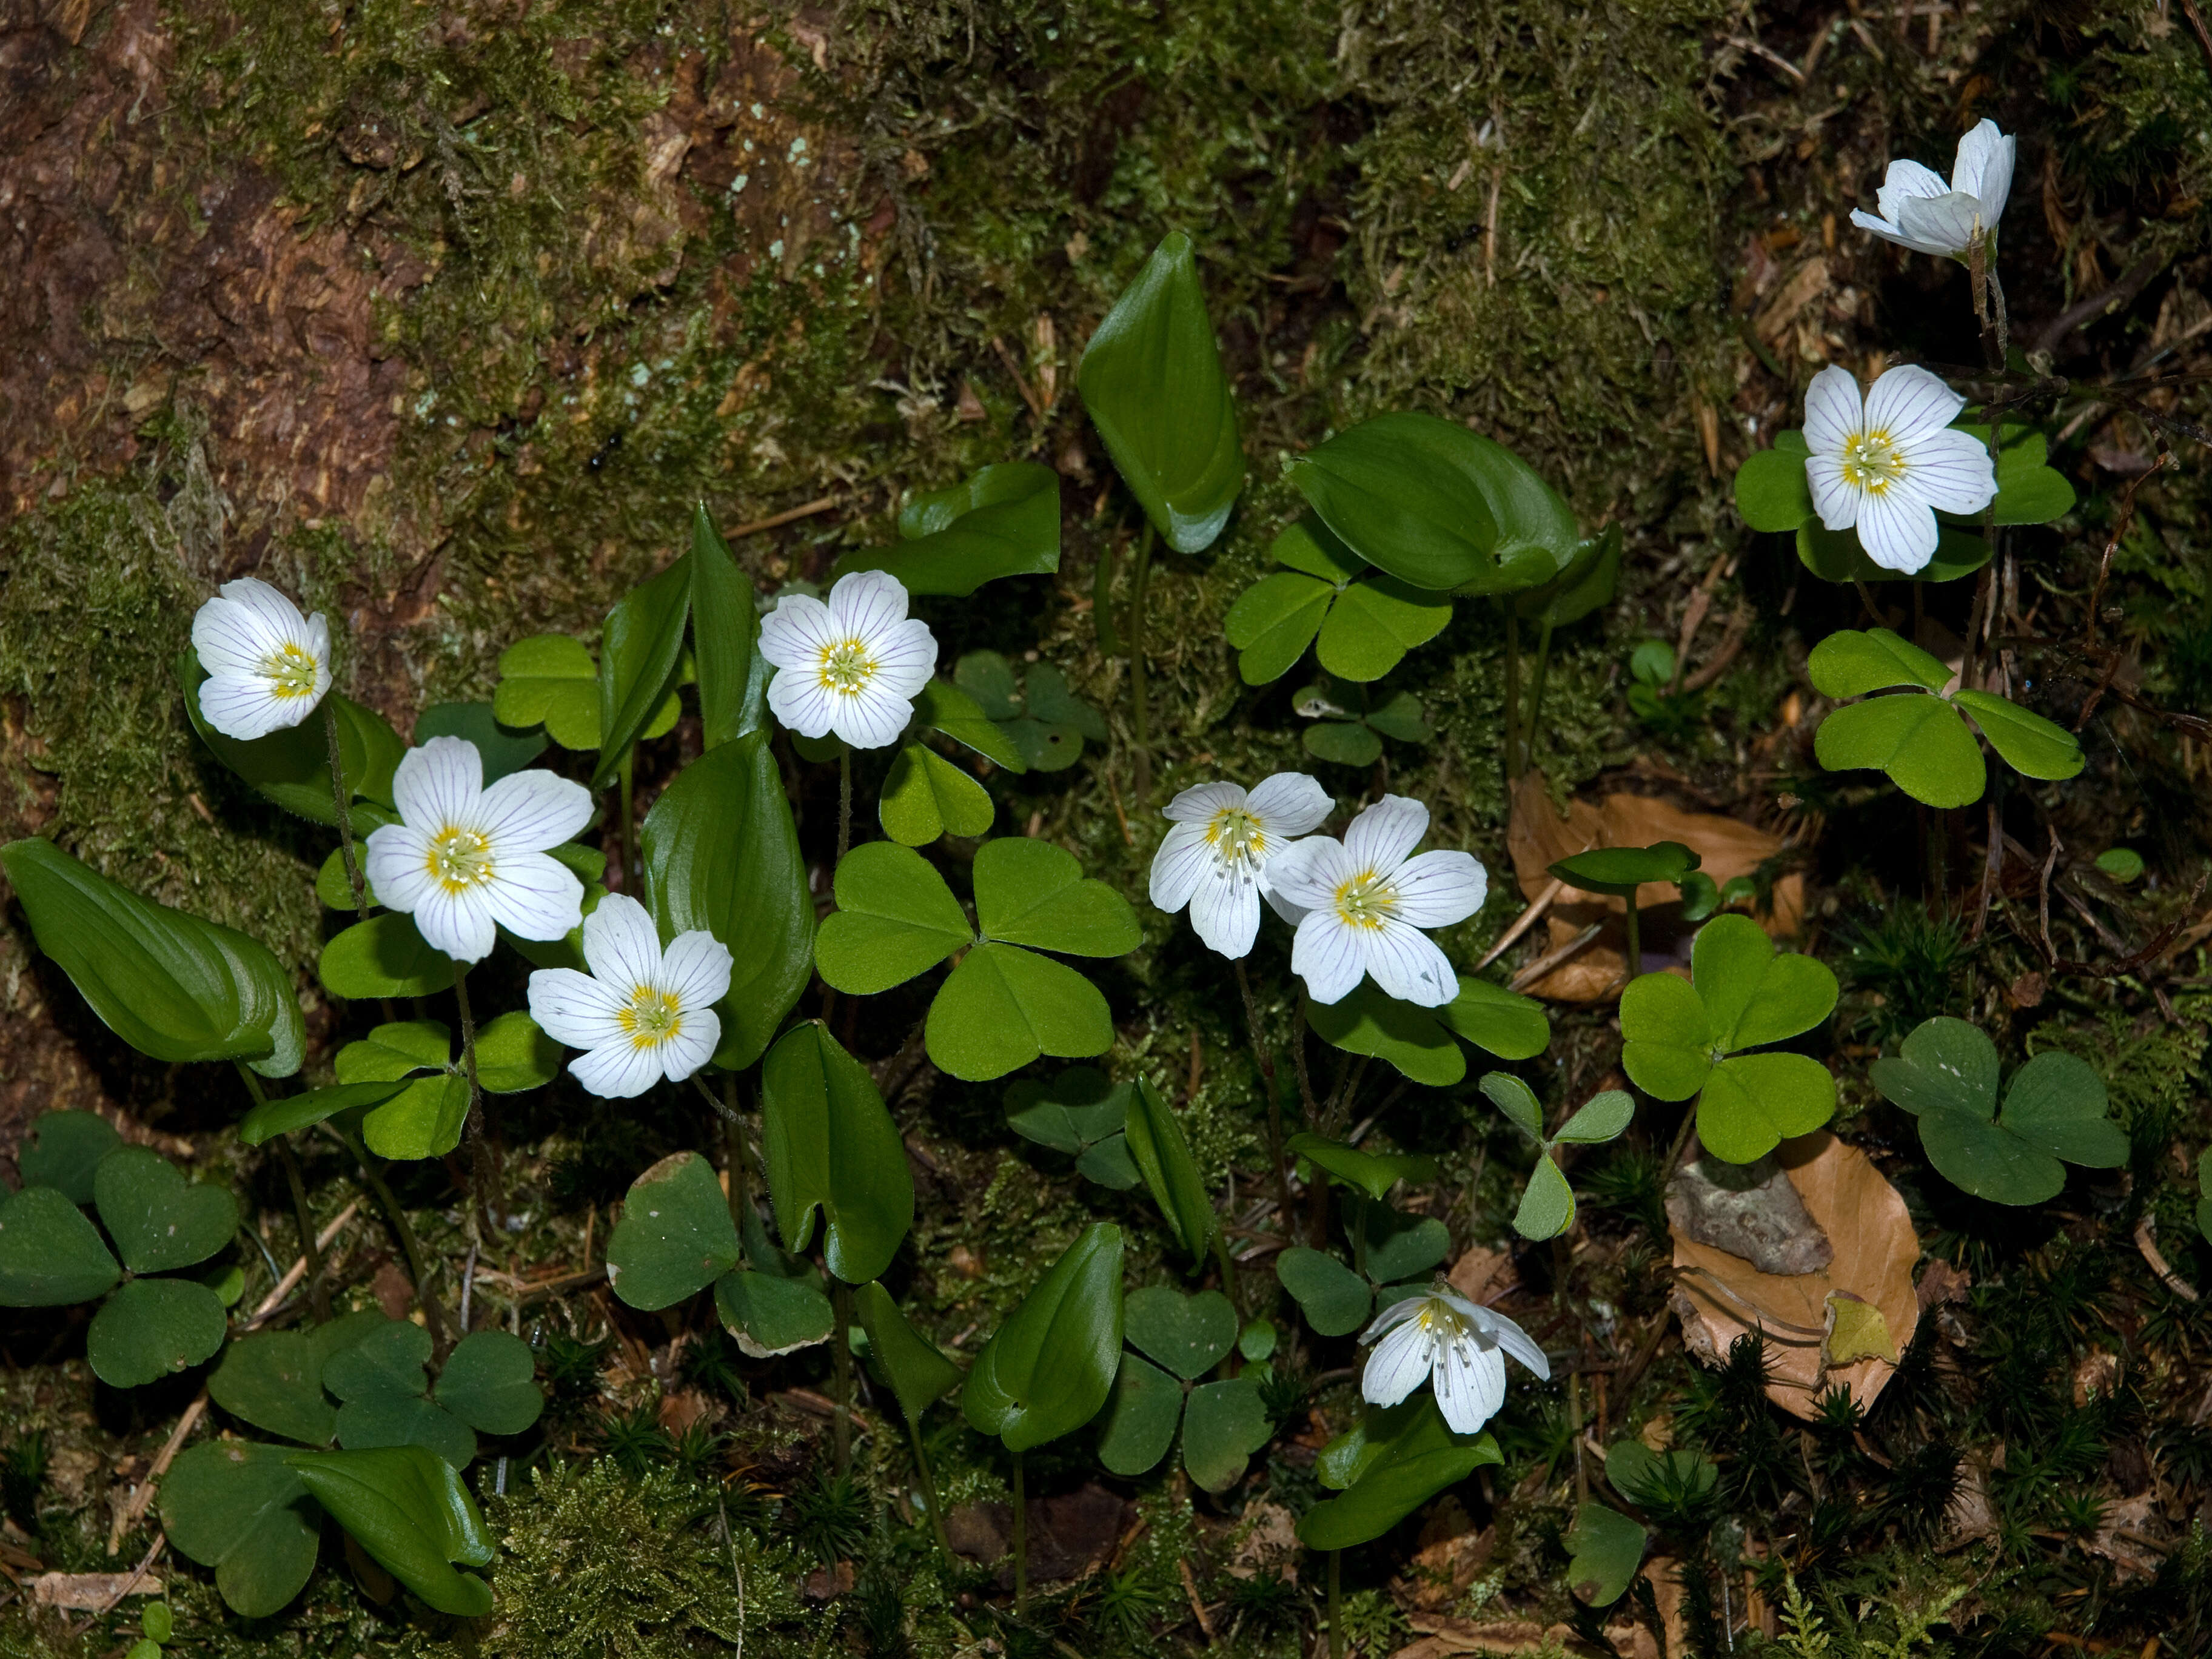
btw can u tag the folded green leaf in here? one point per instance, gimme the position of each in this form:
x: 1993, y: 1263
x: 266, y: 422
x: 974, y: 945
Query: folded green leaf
x: 1005, y: 521
x: 927, y: 796
x: 1373, y: 1173
x: 828, y: 1143
x: 408, y: 1508
x: 919, y: 1374
x: 1547, y: 1203
x: 503, y: 750
x: 1069, y: 1112
x: 2029, y: 744
x: 725, y: 631
x: 1047, y: 1370
x: 638, y: 658
x: 1389, y: 1493
x: 1159, y: 1150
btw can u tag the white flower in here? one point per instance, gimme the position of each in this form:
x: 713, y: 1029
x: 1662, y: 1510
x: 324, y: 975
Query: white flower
x: 1359, y: 906
x: 267, y: 666
x: 1458, y: 1343
x: 640, y: 1015
x: 463, y: 857
x: 1886, y: 468
x: 1920, y: 211
x: 851, y: 666
x: 1215, y: 860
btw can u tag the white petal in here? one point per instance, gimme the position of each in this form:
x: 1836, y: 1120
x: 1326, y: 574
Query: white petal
x: 1293, y: 913
x: 693, y: 1044
x: 272, y: 608
x: 1392, y: 1317
x: 1183, y: 858
x: 1898, y: 528
x: 1225, y: 912
x: 618, y: 1071
x: 245, y: 707
x: 232, y: 638
x: 1945, y: 224
x: 622, y: 945
x: 695, y: 971
x: 1835, y: 500
x: 1831, y: 410
x: 1290, y: 804
x: 1202, y: 800
x: 529, y: 811
x: 1399, y: 1364
x: 905, y: 658
x: 1952, y: 469
x: 1516, y: 1342
x: 535, y: 897
x: 1908, y: 403
x: 1308, y: 872
x: 439, y: 784
x: 575, y: 1009
x: 871, y: 717
x: 796, y: 697
x: 398, y: 865
x: 1438, y: 889
x: 1382, y: 836
x: 1881, y: 227
x: 867, y: 605
x: 796, y: 632
x: 1982, y: 168
x: 459, y: 924
x: 1470, y: 1385
x: 1905, y: 180
x: 1329, y: 955
x: 1406, y: 963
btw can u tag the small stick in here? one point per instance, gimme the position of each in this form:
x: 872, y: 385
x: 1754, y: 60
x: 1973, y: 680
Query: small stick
x: 138, y: 1573
x: 2146, y: 1242
x: 1543, y: 965
x: 1522, y: 923
x: 821, y: 505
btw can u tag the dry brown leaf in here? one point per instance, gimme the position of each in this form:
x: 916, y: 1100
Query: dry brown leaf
x: 1484, y: 1277
x: 1538, y: 837
x: 1447, y: 1556
x: 2126, y: 1515
x: 90, y: 1592
x: 1721, y: 1297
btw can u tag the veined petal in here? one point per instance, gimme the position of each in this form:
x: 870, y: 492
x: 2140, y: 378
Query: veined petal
x: 459, y: 924
x: 1399, y: 1364
x: 1898, y: 528
x: 1952, y: 469
x: 618, y: 1071
x: 1982, y: 168
x: 269, y: 606
x: 692, y: 1045
x: 1327, y: 954
x: 1942, y: 222
x: 575, y: 1009
x: 1908, y: 403
x: 244, y: 707
x: 1832, y: 411
x: 232, y: 638
x: 535, y: 897
x: 1183, y: 859
x: 1381, y: 838
x: 529, y: 811
x: 1293, y: 913
x: 1290, y: 804
x: 796, y: 697
x: 1879, y: 226
x: 797, y: 631
x: 867, y: 605
x: 1438, y: 889
x: 620, y: 944
x: 871, y: 717
x: 905, y: 658
x: 1308, y: 872
x: 1392, y: 1317
x: 695, y: 971
x: 1470, y: 1386
x: 1202, y: 800
x: 1518, y: 1342
x: 398, y: 865
x: 1224, y: 910
x: 1835, y: 500
x: 1905, y: 180
x: 1406, y: 963
x: 439, y: 785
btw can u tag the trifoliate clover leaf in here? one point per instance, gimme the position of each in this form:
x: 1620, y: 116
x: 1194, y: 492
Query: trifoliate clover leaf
x: 1038, y: 719
x: 1547, y: 1204
x: 1082, y: 1114
x: 1685, y: 1039
x: 1351, y: 721
x: 1365, y: 625
x: 1946, y: 1075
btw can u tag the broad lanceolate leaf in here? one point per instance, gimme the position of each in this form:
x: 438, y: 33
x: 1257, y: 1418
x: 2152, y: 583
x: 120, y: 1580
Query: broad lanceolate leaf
x: 153, y: 1328
x: 1047, y: 1370
x: 1152, y: 381
x: 384, y: 957
x: 1607, y: 1549
x: 159, y: 1221
x: 829, y: 1143
x: 675, y: 1236
x: 1622, y: 870
x: 927, y: 796
x: 551, y: 679
x: 1590, y: 579
x: 1005, y: 521
x: 896, y: 918
x: 1390, y: 1492
x: 168, y: 984
x: 240, y: 1509
x: 1437, y: 506
x: 919, y: 1374
x: 50, y: 1254
x: 724, y: 632
x: 409, y: 1509
x: 63, y: 1149
x: 720, y: 852
x: 1157, y: 1147
x: 638, y: 658
x: 1918, y: 740
x: 1189, y: 1335
x: 2029, y: 744
x: 1497, y: 1021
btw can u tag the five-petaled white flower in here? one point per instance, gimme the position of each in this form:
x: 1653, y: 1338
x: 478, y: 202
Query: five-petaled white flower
x: 1885, y: 468
x: 1920, y: 211
x: 267, y: 666
x: 1463, y: 1345
x: 463, y: 857
x: 851, y: 666
x: 1215, y: 858
x: 640, y: 1014
x: 1359, y: 906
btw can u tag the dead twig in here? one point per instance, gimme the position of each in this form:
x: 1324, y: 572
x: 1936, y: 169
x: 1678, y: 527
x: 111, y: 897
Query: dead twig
x: 822, y: 504
x: 1544, y: 964
x: 2146, y: 1242
x: 1522, y: 923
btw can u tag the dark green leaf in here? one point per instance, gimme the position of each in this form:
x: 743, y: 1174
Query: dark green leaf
x: 675, y: 1236
x: 1835, y: 555
x: 385, y: 1361
x: 1157, y: 1148
x: 944, y: 706
x: 1257, y: 1339
x: 1343, y: 742
x: 828, y: 1142
x: 725, y: 631
x: 51, y: 1254
x: 986, y: 680
x: 398, y: 1419
x: 1047, y: 1370
x: 159, y: 1221
x: 1621, y: 869
x: 153, y: 1328
x: 291, y: 767
x: 1517, y: 1100
x: 383, y: 956
x: 770, y: 1315
x: 1374, y: 1173
x: 1139, y: 1421
x: 638, y: 657
x: 1547, y: 1203
x: 1389, y: 1493
x: 240, y: 1509
x: 1403, y: 1247
x: 1110, y: 1164
x: 64, y: 1149
x: 274, y: 1380
x: 1413, y: 1040
x: 1607, y: 1549
x: 1496, y: 1020
x: 1223, y: 1424
x: 1335, y: 1299
x: 1602, y: 1117
x: 1069, y: 1112
x: 490, y: 1383
x: 1189, y: 1335
x: 919, y: 1375
x: 504, y: 750
x: 1589, y: 580
x: 1005, y: 521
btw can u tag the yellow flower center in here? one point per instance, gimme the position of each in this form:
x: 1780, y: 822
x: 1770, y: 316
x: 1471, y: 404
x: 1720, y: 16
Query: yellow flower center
x: 1366, y: 901
x: 459, y: 858
x: 845, y: 667
x: 651, y: 1017
x: 290, y: 671
x: 1441, y: 1320
x: 1871, y: 462
x: 1237, y: 835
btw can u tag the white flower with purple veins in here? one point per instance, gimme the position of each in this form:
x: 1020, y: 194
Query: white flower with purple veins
x: 465, y: 860
x: 1886, y: 467
x: 1918, y: 210
x: 1359, y: 906
x: 851, y: 666
x: 1215, y: 860
x: 641, y: 1014
x: 267, y: 666
x: 1450, y: 1339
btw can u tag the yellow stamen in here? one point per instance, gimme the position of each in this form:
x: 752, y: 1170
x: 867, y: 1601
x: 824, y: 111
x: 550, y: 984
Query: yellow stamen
x: 1872, y: 462
x: 845, y: 667
x: 1236, y: 836
x: 1366, y: 901
x: 651, y: 1017
x: 459, y: 858
x: 291, y: 671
